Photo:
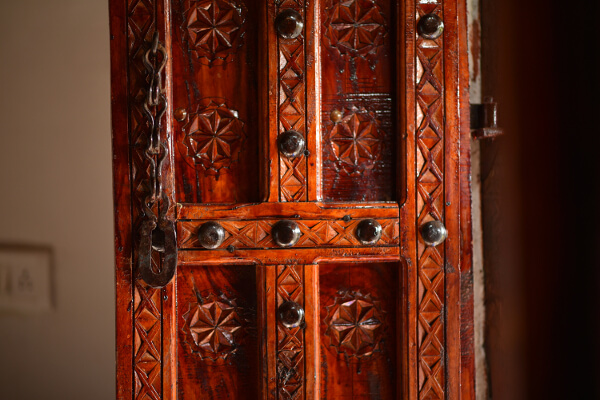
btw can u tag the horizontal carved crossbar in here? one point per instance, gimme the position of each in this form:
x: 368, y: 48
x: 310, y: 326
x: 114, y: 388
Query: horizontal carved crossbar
x: 289, y: 256
x: 328, y: 232
x: 311, y: 210
x: 256, y: 234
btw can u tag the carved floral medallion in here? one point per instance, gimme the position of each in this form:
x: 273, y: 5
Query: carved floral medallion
x: 213, y: 137
x: 214, y: 327
x: 354, y: 27
x: 214, y: 29
x: 355, y: 142
x: 355, y: 324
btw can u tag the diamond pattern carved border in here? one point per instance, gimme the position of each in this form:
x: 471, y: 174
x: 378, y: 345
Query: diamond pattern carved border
x: 290, y: 342
x: 430, y: 206
x: 256, y: 234
x: 147, y: 325
x: 293, y: 184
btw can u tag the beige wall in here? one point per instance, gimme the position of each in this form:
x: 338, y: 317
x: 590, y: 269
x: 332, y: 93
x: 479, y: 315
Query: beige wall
x: 55, y: 189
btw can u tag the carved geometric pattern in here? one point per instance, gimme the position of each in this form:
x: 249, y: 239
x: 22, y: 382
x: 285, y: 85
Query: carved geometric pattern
x: 290, y: 341
x: 355, y: 324
x: 292, y: 98
x: 214, y: 327
x: 430, y: 206
x: 355, y: 142
x: 256, y: 234
x: 354, y: 27
x: 214, y: 29
x: 147, y: 318
x: 213, y: 137
x: 147, y: 358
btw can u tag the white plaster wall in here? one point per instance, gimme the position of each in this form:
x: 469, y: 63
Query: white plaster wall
x: 481, y: 381
x: 55, y: 189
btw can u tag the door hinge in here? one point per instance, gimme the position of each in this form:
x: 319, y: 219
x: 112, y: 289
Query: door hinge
x: 484, y: 120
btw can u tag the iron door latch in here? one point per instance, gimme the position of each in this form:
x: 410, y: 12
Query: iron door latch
x: 484, y: 120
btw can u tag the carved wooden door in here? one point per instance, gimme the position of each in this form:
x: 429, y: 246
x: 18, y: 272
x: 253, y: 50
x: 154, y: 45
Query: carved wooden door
x: 285, y: 175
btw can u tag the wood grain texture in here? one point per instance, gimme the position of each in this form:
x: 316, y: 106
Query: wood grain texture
x: 215, y: 62
x: 358, y: 330
x: 397, y: 154
x: 217, y: 333
x: 357, y: 79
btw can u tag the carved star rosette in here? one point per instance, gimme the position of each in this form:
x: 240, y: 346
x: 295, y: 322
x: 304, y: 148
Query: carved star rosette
x: 355, y: 142
x: 214, y: 30
x: 213, y: 137
x: 215, y: 327
x: 355, y: 28
x: 355, y: 324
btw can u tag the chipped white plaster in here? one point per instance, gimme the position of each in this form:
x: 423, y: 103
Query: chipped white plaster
x: 481, y: 382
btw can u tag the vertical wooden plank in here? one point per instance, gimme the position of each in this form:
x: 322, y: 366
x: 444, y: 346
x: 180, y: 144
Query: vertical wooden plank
x: 430, y: 177
x: 452, y: 198
x: 265, y: 84
x: 271, y: 331
x: 467, y: 347
x: 312, y: 332
x: 121, y: 197
x: 147, y: 303
x: 313, y: 99
x: 290, y: 99
x: 273, y: 109
x: 153, y: 309
x: 262, y: 328
x: 290, y: 353
x: 169, y: 314
x: 406, y: 107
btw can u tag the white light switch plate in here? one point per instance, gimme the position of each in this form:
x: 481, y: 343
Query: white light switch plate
x: 25, y: 279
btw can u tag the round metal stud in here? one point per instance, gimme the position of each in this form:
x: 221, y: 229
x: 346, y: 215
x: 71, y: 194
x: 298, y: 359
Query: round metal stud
x: 286, y: 233
x: 290, y: 314
x: 291, y: 144
x: 180, y: 114
x: 336, y: 116
x: 433, y: 233
x: 289, y: 24
x: 430, y: 26
x: 368, y: 231
x: 211, y: 235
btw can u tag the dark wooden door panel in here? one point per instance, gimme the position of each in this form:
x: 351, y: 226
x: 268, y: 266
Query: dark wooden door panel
x: 358, y: 95
x: 359, y: 330
x: 215, y: 70
x: 217, y: 346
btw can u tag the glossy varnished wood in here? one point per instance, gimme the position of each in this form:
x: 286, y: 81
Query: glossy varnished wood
x: 385, y: 125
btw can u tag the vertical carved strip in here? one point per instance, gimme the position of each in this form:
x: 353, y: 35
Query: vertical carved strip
x: 293, y: 173
x: 430, y: 206
x: 147, y: 359
x: 147, y: 330
x: 290, y: 342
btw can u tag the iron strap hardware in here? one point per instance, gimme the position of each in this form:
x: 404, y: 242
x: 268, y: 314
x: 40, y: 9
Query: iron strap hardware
x: 157, y: 241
